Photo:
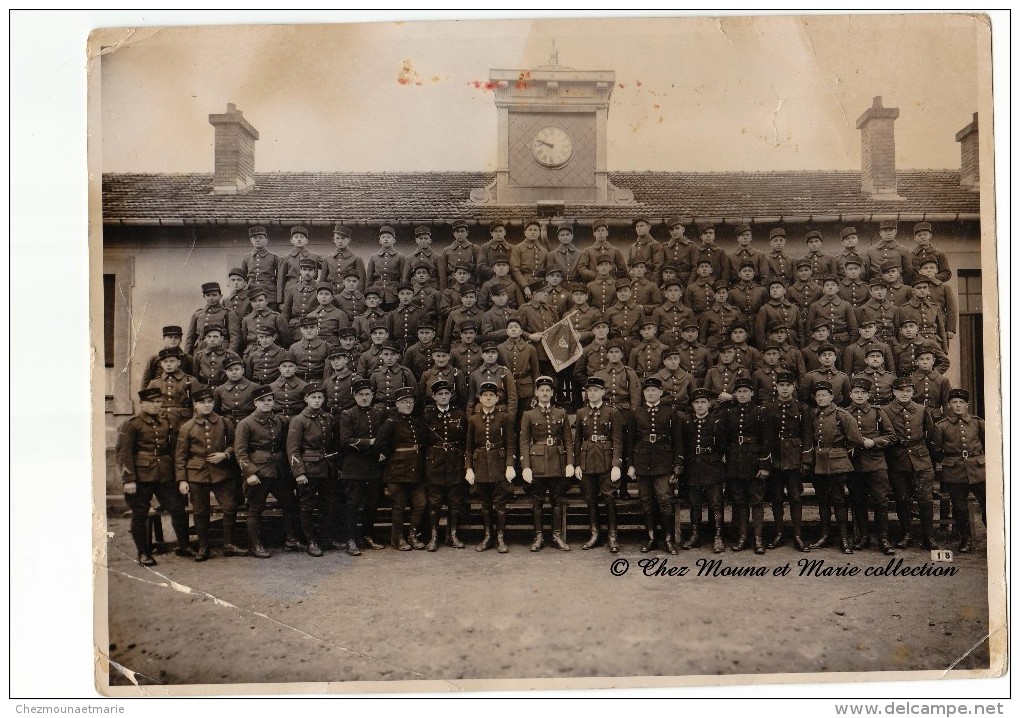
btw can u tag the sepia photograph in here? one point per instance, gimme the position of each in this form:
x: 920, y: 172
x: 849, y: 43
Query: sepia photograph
x: 504, y: 355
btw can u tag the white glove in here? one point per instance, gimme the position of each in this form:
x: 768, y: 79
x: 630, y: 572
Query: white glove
x: 130, y: 487
x: 510, y: 473
x: 632, y: 472
x: 301, y: 480
x: 253, y: 480
x: 615, y: 474
x: 469, y: 476
x: 569, y: 473
x: 526, y: 475
x: 578, y: 473
x: 182, y: 486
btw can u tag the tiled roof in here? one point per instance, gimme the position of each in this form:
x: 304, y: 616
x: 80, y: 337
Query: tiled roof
x: 315, y: 197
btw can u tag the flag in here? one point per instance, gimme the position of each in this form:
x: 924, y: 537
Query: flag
x: 562, y: 344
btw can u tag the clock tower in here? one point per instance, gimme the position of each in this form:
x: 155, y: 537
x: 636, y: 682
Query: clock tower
x: 551, y: 129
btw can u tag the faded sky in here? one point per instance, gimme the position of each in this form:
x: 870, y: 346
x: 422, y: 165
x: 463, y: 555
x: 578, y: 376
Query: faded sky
x: 769, y: 93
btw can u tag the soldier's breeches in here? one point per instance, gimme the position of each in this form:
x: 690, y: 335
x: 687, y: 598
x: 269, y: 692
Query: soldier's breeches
x: 913, y: 485
x: 701, y: 495
x: 493, y: 494
x: 788, y: 480
x: 400, y: 496
x: 555, y: 485
x: 596, y: 486
x: 656, y: 490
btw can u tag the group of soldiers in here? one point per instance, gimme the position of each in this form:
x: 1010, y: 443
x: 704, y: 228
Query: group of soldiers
x: 323, y: 381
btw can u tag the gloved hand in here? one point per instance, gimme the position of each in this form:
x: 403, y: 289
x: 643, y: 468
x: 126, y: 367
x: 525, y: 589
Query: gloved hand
x: 182, y: 486
x: 578, y: 473
x: 869, y: 443
x: 130, y: 487
x: 301, y: 480
x: 510, y: 473
x: 469, y: 476
x: 674, y: 479
x: 632, y: 472
x: 527, y: 476
x: 615, y: 474
x: 253, y: 480
x: 762, y: 474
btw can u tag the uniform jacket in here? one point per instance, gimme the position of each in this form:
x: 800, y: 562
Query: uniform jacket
x: 748, y: 298
x: 336, y: 265
x: 843, y: 257
x: 494, y: 323
x: 882, y: 252
x: 649, y: 250
x: 915, y: 434
x: 457, y: 379
x: 748, y: 254
x: 300, y: 299
x: 919, y: 255
x: 623, y: 386
x: 590, y: 256
x: 403, y: 323
x: 216, y: 316
x: 835, y: 434
x: 822, y: 264
x: 747, y: 449
x: 780, y: 266
x: 695, y: 359
x: 369, y: 361
x: 954, y: 437
x: 451, y: 330
x: 676, y: 388
x: 716, y: 322
x: 289, y: 270
x: 209, y: 364
x: 352, y: 304
x: 598, y: 439
x: 564, y: 257
x: 881, y: 385
x: 310, y: 357
x: 546, y: 444
x: 646, y: 294
x: 260, y: 267
x: 501, y: 377
x: 677, y: 253
x: 873, y: 426
x: 401, y: 441
x: 260, y: 446
x: 385, y: 268
x: 930, y: 319
x: 593, y: 360
x: 931, y: 390
x: 198, y: 438
x: 583, y: 319
x: 330, y: 319
x: 655, y: 440
x: 459, y: 253
x: 882, y: 313
x: 489, y: 253
x: 853, y: 356
x: 386, y: 381
x: 514, y: 295
x: 646, y: 358
x: 765, y: 383
x: 339, y: 396
x: 537, y: 318
x: 356, y: 428
x: 718, y: 258
x: 839, y: 380
x: 855, y: 292
x: 445, y: 441
x: 602, y: 292
x: 944, y: 297
x: 466, y: 357
x: 905, y: 354
x: 311, y: 441
x: 779, y: 312
x: 288, y: 394
x: 428, y: 258
x: 624, y: 319
x: 788, y: 433
x: 239, y: 304
x: 177, y: 389
x: 144, y: 449
x: 235, y: 398
x: 489, y: 446
x: 840, y: 315
x: 525, y: 259
x: 153, y: 369
x: 804, y: 294
x: 266, y: 317
x: 671, y: 318
x: 704, y: 444
x: 722, y: 377
x: 418, y: 358
x: 699, y: 295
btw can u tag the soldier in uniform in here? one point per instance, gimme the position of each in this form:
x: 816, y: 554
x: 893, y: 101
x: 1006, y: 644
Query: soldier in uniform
x: 521, y: 358
x: 805, y: 291
x: 488, y: 461
x: 778, y: 310
x: 703, y: 451
x: 708, y: 250
x: 339, y: 396
x: 336, y: 266
x: 748, y: 462
x: 780, y: 265
x: 656, y: 456
x: 931, y: 389
x: 855, y: 354
x: 501, y: 282
x: 848, y: 236
x: 910, y: 466
x: 929, y: 317
x: 822, y: 265
x: 695, y: 358
x: 905, y: 350
x: 747, y: 295
x: 536, y: 317
x: 445, y: 435
x: 528, y: 257
x: 875, y: 372
x: 235, y: 398
x: 239, y: 300
x: 582, y: 316
x: 926, y: 252
x: 351, y: 298
x: 260, y: 448
x: 400, y: 444
x: 626, y: 315
x: 172, y: 337
x: 766, y: 376
x: 497, y: 248
x: 311, y: 444
x: 389, y: 378
x: 593, y: 356
x: 547, y: 458
x: 301, y: 296
x: 491, y: 371
x: 677, y: 382
x: 598, y: 447
x: 899, y: 293
x: 677, y: 251
x: 310, y: 352
x: 144, y: 443
x: 262, y: 316
x: 203, y: 458
x: 288, y: 390
x: 290, y: 265
x: 260, y: 266
x: 466, y: 354
x: 443, y: 370
x: 888, y: 250
x: 880, y: 310
x: 357, y: 432
x: 623, y: 386
x: 328, y: 317
x: 213, y: 314
x: 494, y: 321
x: 461, y: 252
x: 942, y: 295
x: 565, y: 255
x: 836, y: 311
x: 646, y: 357
x: 718, y: 318
x: 468, y: 311
x: 851, y: 288
x: 960, y: 457
x: 601, y: 251
x: 404, y: 320
x: 700, y: 293
x: 210, y: 362
x: 869, y: 482
x: 385, y: 268
x: 721, y: 378
x: 602, y: 289
x: 418, y: 357
x: 839, y: 382
x: 647, y: 249
x: 176, y: 386
x: 424, y: 258
x: 788, y: 436
x: 746, y: 255
x: 648, y: 295
x: 371, y: 359
x: 672, y: 315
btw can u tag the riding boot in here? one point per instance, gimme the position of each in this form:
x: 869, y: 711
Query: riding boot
x: 742, y: 520
x: 434, y: 530
x: 961, y: 521
x: 668, y: 526
x: 486, y: 543
x: 797, y: 519
x: 254, y: 524
x: 611, y: 519
x: 501, y: 546
x: 694, y: 540
x: 882, y: 530
x: 758, y: 521
x: 824, y: 512
x: 179, y: 521
x: 651, y: 544
x: 202, y: 531
x: 862, y: 538
x: 903, y: 512
x: 229, y: 549
x: 452, y: 530
x: 844, y: 530
x: 536, y: 515
x: 927, y: 512
x: 397, y: 539
x: 777, y: 518
x: 593, y: 519
x: 559, y: 522
x: 717, y: 542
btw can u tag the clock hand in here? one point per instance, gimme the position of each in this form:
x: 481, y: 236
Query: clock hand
x: 547, y: 144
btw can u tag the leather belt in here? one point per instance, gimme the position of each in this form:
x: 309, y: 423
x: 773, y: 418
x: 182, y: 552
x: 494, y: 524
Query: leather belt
x: 912, y: 442
x: 551, y: 441
x: 748, y: 440
x: 264, y: 447
x: 699, y: 450
x: 964, y: 454
x: 407, y: 448
x: 830, y: 446
x: 597, y: 438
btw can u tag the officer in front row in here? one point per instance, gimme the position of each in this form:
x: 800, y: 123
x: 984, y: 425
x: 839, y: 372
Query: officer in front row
x: 445, y: 436
x: 598, y: 448
x: 748, y: 462
x: 960, y: 454
x: 358, y: 430
x: 311, y: 442
x: 400, y: 445
x: 704, y: 449
x: 547, y: 458
x: 144, y: 446
x: 488, y: 463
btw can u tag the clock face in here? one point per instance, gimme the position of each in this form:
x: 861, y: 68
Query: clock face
x: 552, y: 147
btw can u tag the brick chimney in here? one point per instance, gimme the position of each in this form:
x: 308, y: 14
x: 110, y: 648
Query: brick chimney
x: 878, y: 150
x: 235, y: 152
x: 970, y: 167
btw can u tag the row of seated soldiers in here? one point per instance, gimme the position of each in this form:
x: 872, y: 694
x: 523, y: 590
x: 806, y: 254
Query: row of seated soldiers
x: 748, y: 450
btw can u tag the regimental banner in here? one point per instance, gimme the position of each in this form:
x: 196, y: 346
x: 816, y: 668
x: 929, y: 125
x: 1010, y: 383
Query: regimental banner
x: 562, y: 344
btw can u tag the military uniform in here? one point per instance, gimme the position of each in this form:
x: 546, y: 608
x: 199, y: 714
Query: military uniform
x: 765, y: 379
x: 369, y: 361
x: 899, y: 293
x: 625, y: 319
x: 360, y: 475
x: 931, y: 390
x: 869, y: 481
x: 213, y: 317
x: 401, y: 441
x: 330, y: 320
x: 646, y: 294
x: 387, y: 381
x: 781, y: 313
x: 789, y: 438
x: 491, y: 252
x: 671, y: 318
x: 647, y: 249
x: 855, y: 354
x: 289, y: 270
x: 881, y: 385
x: 515, y: 297
x: 457, y: 318
x: 722, y: 377
x: 289, y: 396
x: 883, y: 314
x: 537, y: 317
x: 235, y: 399
x: 704, y: 446
x: 920, y: 254
x: 260, y: 267
x: 310, y: 356
x: 565, y: 258
x: 445, y: 438
x: 960, y: 453
x: 255, y: 321
x: 351, y: 303
x: 503, y: 378
x: 456, y: 378
x: 839, y: 381
x: 526, y: 259
x: 930, y: 320
x: 695, y: 359
x: 884, y: 252
x: 211, y: 365
x: 430, y: 260
x: 715, y: 324
x: 239, y: 302
x: 489, y: 454
x: 646, y: 358
x: 747, y: 298
x: 656, y: 453
x: 403, y: 322
x: 546, y: 448
x: 780, y: 267
x: 339, y: 396
x: 152, y: 367
x: 676, y: 388
x: 747, y: 454
x: 822, y: 264
x: 851, y: 255
x: 602, y: 293
x: 418, y: 357
x: 598, y: 446
x: 494, y: 323
x: 840, y: 317
x: 600, y: 251
x: 623, y: 387
x: 856, y: 292
x: 910, y: 465
x: 905, y: 354
x: 177, y: 389
x: 715, y: 255
x: 385, y: 269
x: 300, y: 300
x: 700, y: 295
x: 335, y: 267
x: 311, y: 444
x: 460, y: 254
x: 466, y: 357
x: 751, y: 256
x: 835, y: 433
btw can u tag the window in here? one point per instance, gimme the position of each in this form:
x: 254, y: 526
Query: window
x: 970, y: 291
x: 109, y: 313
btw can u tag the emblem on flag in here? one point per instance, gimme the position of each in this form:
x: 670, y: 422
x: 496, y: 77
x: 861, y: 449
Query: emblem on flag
x: 562, y: 343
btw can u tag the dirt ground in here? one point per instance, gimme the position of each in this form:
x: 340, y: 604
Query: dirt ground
x: 459, y: 614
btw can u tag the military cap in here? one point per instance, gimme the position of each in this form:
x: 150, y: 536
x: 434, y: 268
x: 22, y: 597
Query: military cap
x: 724, y: 346
x: 671, y: 351
x: 652, y: 381
x: 405, y: 285
x: 887, y: 224
x: 325, y: 287
x: 308, y: 322
x: 746, y: 263
x: 908, y: 320
x: 853, y: 260
x: 846, y: 232
x: 828, y: 278
x: 419, y: 231
x: 579, y: 287
x: 150, y: 394
x: 210, y: 287
x: 467, y: 326
x: 390, y: 347
x: 927, y: 260
x: 874, y: 349
x: 786, y: 377
x: 404, y: 392
x: 496, y: 223
x: 468, y: 289
x: 603, y: 259
x: 555, y: 269
x: 741, y: 228
x: 739, y: 325
x: 670, y: 268
x: 532, y: 221
x: 210, y: 329
x: 544, y: 381
x: 298, y: 229
x: 640, y: 218
x: 386, y: 229
x: 775, y: 280
x: 491, y: 386
x: 258, y: 292
x: 262, y: 392
x: 592, y: 381
x: 902, y: 382
x: 232, y: 359
x: 377, y: 291
x: 569, y: 226
x: 923, y: 350
x: 426, y: 325
x: 173, y: 331
x: 257, y: 230
x: 878, y: 282
x: 672, y: 283
x: 922, y: 227
x: 307, y: 262
x: 352, y: 272
x: 702, y: 394
x: 341, y: 231
x: 821, y: 386
x: 703, y: 261
x: 688, y: 324
x: 777, y: 232
x: 599, y: 223
x: 861, y: 382
x: 312, y: 387
x: 959, y: 394
x: 803, y: 263
x: 920, y: 279
x: 440, y: 348
x: 819, y: 323
x: 623, y: 284
x: 744, y: 383
x: 770, y: 347
x: 777, y: 326
x: 338, y: 353
x: 826, y: 348
x: 500, y: 258
x: 439, y: 385
x: 615, y: 343
x: 886, y: 266
x: 458, y: 224
x: 705, y: 226
x: 813, y: 234
x: 286, y: 356
x: 600, y: 320
x: 673, y: 222
x: 518, y: 321
x: 636, y: 261
x: 347, y: 332
x: 462, y: 267
x: 648, y: 322
x: 490, y: 346
x: 717, y: 287
x: 237, y: 272
x: 865, y: 321
x: 202, y: 394
x: 360, y: 385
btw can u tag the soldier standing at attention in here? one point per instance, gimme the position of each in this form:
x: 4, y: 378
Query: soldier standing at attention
x: 290, y: 265
x: 879, y: 309
x: 238, y: 301
x: 311, y: 442
x: 521, y: 358
x: 260, y: 265
x: 779, y: 311
x: 869, y: 482
x: 677, y: 251
x: 780, y: 265
x: 496, y: 248
x: 172, y: 337
x: 677, y: 382
x: 709, y: 250
x: 488, y: 465
x: 888, y: 250
x: 601, y: 251
x: 357, y: 433
x: 336, y: 266
x: 789, y: 438
x: 262, y: 316
x: 445, y: 433
x: 204, y: 462
x: 144, y: 445
x: 461, y: 253
x: 210, y: 362
x: 822, y: 265
x: 848, y: 236
x: 310, y: 352
x: 851, y: 288
x: 703, y: 449
x: 656, y: 457
x: 213, y: 314
x: 442, y: 369
x: 747, y: 255
x: 403, y: 322
x: 494, y: 321
x: 536, y: 317
x: 300, y: 297
x: 960, y: 455
x: 492, y: 372
x: 566, y: 254
x: 598, y: 446
x: 646, y: 249
x: 602, y: 289
x: 177, y: 387
x: 424, y: 258
x: 926, y: 252
x: 528, y: 257
x: 671, y: 314
x: 547, y: 458
x: 235, y: 398
x: 400, y: 444
x: 748, y: 462
x: 288, y: 390
x: 386, y: 267
x: 328, y: 317
x: 260, y: 447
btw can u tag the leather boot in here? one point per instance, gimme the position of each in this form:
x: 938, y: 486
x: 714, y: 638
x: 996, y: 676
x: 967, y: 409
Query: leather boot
x: 254, y: 526
x: 291, y: 529
x: 451, y: 532
x: 882, y: 530
x: 966, y: 544
x: 559, y: 530
x: 777, y: 539
x: 614, y: 547
x: 202, y: 530
x: 668, y: 527
x: 433, y: 544
x: 844, y: 531
x: 229, y: 549
x: 180, y: 524
x: 146, y: 559
x: 903, y: 512
x: 486, y: 543
x: 758, y: 521
x: 824, y: 519
x: 797, y: 519
x: 717, y: 542
x: 352, y: 548
x: 961, y: 521
x: 397, y: 539
x: 259, y: 551
x: 651, y: 544
x: 203, y: 553
x: 862, y: 537
x: 412, y: 538
x: 372, y: 543
x: 313, y: 549
x: 501, y: 546
x: 927, y: 512
x: 694, y: 540
x: 536, y: 514
x: 742, y: 516
x: 294, y: 544
x: 593, y: 519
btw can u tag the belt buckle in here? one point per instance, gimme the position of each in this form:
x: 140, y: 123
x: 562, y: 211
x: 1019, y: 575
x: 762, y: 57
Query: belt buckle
x: 488, y: 445
x: 652, y: 438
x: 549, y: 441
x: 965, y: 454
